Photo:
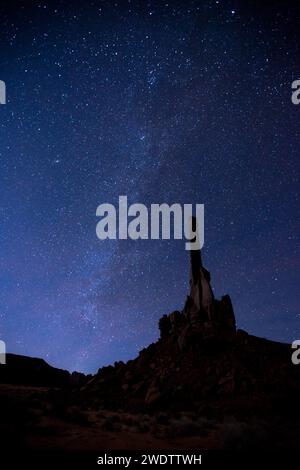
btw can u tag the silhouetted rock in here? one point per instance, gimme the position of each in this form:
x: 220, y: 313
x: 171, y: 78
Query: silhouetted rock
x: 32, y: 371
x: 164, y: 325
x: 202, y: 312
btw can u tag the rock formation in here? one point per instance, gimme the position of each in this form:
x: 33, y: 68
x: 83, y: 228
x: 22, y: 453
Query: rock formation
x: 202, y: 313
x: 201, y: 378
x: 199, y: 357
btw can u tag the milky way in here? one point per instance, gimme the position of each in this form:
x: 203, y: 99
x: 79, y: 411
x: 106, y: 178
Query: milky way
x: 186, y: 102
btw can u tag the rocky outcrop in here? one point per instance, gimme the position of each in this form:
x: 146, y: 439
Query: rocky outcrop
x: 185, y: 371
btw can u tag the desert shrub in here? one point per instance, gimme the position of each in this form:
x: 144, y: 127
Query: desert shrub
x: 77, y: 416
x: 242, y: 436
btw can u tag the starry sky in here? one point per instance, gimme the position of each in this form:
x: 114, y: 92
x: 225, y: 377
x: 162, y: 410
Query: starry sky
x: 162, y: 101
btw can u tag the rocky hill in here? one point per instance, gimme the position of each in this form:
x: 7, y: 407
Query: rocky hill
x: 24, y: 370
x: 200, y: 358
x: 223, y: 369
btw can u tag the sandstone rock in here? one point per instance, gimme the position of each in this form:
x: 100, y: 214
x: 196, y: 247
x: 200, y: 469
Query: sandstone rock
x: 136, y: 387
x: 164, y: 326
x: 183, y: 338
x: 153, y: 395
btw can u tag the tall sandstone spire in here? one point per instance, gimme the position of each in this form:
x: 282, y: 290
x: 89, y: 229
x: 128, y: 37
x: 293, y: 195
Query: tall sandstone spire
x: 201, y: 312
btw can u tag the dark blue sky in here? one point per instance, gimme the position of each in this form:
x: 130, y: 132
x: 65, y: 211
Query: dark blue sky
x: 185, y: 102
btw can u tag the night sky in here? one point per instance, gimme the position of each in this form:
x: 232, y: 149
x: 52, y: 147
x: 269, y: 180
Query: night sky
x: 167, y: 101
